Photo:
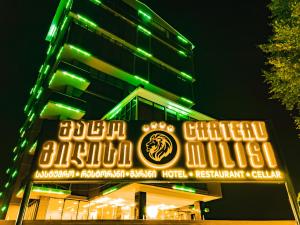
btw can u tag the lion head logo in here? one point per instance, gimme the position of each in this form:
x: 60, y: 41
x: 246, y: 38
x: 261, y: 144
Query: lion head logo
x: 159, y: 146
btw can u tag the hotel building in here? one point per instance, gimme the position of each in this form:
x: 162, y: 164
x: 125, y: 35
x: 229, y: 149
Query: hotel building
x: 109, y: 60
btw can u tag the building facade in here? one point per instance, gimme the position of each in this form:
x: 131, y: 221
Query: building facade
x: 110, y: 60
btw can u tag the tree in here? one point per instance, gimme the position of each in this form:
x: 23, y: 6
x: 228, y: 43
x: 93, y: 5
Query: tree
x: 283, y: 55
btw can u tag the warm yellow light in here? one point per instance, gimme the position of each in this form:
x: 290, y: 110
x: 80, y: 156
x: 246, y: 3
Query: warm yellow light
x: 152, y: 211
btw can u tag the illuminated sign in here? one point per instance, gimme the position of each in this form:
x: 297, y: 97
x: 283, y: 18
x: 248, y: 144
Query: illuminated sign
x: 191, y: 151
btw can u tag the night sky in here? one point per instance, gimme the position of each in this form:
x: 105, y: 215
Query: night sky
x: 229, y: 82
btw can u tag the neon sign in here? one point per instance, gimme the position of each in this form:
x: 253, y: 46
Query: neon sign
x: 224, y: 151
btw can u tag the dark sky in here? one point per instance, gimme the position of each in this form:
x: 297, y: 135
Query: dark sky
x: 230, y: 86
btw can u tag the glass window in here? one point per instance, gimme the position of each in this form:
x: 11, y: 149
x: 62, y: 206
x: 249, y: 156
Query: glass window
x: 70, y: 210
x: 55, y: 208
x: 83, y: 210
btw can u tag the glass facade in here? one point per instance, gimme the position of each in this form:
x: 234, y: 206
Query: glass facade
x: 100, y: 53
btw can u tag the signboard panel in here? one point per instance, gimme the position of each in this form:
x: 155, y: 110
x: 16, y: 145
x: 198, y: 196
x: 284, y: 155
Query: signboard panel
x: 149, y: 151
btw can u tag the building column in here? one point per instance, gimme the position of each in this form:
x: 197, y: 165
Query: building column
x: 197, y: 208
x: 43, y: 206
x: 140, y: 205
x: 24, y: 203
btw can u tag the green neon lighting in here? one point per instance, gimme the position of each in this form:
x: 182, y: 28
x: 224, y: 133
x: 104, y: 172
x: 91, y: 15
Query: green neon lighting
x: 22, y: 134
x: 41, y: 68
x: 144, y: 15
x: 7, y: 171
x: 1, y: 194
x: 182, y: 53
x: 15, y: 158
x: 33, y: 147
x: 184, y: 188
x: 15, y: 149
x: 74, y: 76
x: 179, y: 107
x: 116, y: 113
x: 23, y: 143
x: 26, y: 106
x: 64, y: 4
x: 68, y: 4
x: 3, y: 208
x: 185, y: 75
x: 186, y: 100
x: 141, y: 79
x: 49, y: 49
x: 14, y: 174
x: 46, y: 69
x: 177, y: 110
x: 40, y: 91
x: 86, y: 21
x: 7, y: 184
x: 71, y: 75
x: 109, y: 190
x: 51, y: 32
x: 80, y: 51
x: 31, y: 117
x: 144, y: 52
x: 50, y: 190
x: 97, y: 2
x: 33, y: 89
x: 182, y: 39
x: 60, y: 105
x: 59, y: 53
x: 64, y: 23
x: 144, y: 30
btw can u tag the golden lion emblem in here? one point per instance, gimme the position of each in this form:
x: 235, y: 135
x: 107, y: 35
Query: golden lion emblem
x: 159, y: 146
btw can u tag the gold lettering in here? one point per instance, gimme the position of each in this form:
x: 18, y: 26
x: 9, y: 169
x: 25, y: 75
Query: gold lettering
x: 195, y: 155
x: 269, y: 155
x: 225, y: 155
x: 255, y: 156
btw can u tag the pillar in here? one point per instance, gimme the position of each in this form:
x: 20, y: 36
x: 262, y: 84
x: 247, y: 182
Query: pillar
x: 140, y: 205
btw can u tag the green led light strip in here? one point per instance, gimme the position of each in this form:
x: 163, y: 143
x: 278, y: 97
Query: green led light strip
x: 182, y: 39
x: 6, y: 185
x: 51, y: 32
x: 33, y: 147
x: 144, y: 30
x: 109, y: 190
x: 39, y: 93
x: 23, y: 143
x: 141, y: 79
x: 182, y: 53
x: 144, y: 52
x: 7, y: 171
x: 87, y: 21
x: 71, y: 75
x: 64, y: 23
x: 144, y: 15
x: 184, y: 188
x: 74, y: 76
x: 189, y: 77
x: 50, y: 190
x: 59, y: 53
x: 60, y: 105
x: 186, y: 100
x: 69, y: 4
x: 3, y: 208
x: 97, y: 2
x: 179, y: 107
x: 79, y: 50
x: 14, y: 174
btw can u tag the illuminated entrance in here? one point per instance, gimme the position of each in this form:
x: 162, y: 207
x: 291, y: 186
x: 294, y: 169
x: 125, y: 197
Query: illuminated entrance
x: 118, y: 203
